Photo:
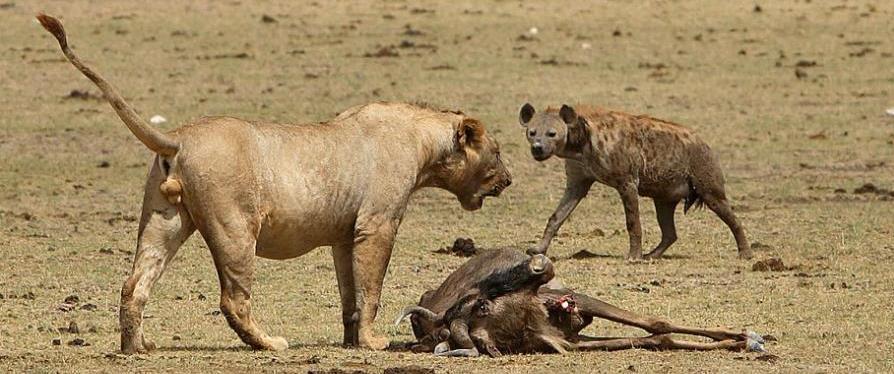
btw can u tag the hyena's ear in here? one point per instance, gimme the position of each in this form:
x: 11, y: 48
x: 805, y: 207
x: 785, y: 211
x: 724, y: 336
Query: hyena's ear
x: 469, y: 132
x: 525, y: 114
x: 569, y: 116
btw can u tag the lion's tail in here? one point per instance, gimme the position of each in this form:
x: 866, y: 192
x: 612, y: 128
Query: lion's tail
x: 157, y: 141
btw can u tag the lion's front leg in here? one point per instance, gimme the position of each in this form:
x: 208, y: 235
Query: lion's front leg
x: 373, y: 242
x: 342, y: 254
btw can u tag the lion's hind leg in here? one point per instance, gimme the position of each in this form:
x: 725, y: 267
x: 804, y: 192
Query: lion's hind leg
x: 163, y: 229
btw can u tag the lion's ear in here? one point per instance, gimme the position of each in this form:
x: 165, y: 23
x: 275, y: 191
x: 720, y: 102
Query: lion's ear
x: 469, y: 132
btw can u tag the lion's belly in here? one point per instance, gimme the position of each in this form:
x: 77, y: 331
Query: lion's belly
x: 288, y: 235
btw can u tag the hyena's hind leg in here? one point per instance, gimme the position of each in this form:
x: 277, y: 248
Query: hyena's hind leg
x: 664, y: 210
x: 718, y: 203
x: 708, y: 187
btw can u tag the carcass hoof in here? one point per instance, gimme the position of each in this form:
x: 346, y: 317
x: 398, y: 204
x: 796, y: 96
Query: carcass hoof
x: 755, y: 343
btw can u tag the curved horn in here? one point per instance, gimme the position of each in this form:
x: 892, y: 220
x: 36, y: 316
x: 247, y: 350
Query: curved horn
x: 417, y: 310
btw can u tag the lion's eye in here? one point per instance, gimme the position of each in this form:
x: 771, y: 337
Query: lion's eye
x: 551, y: 133
x: 532, y: 133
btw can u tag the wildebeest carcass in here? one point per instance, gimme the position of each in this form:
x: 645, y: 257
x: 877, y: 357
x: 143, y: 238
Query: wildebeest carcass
x: 504, y: 302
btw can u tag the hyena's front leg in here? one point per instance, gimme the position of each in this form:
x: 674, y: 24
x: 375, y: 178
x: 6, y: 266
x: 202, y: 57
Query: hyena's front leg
x: 630, y: 197
x: 575, y: 190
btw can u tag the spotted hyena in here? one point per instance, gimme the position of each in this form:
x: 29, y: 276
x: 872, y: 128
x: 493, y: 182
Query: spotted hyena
x: 638, y: 156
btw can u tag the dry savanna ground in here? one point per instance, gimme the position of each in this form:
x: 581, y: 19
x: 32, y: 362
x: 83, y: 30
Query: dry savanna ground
x: 790, y: 94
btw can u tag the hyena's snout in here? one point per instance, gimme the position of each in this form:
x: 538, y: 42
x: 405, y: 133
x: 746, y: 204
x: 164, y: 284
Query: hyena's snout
x: 539, y: 151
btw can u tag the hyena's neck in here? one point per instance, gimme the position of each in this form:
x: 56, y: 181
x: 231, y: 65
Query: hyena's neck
x: 577, y: 142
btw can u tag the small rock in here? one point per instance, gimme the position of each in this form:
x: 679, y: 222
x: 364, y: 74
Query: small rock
x: 157, y: 120
x: 73, y: 328
x: 57, y: 341
x: 533, y: 31
x: 72, y: 299
x: 800, y: 73
x: 175, y: 337
x: 890, y: 111
x: 268, y: 19
x: 758, y: 9
x: 104, y: 164
x: 106, y: 251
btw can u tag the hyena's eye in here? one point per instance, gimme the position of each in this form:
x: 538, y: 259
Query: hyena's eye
x: 551, y: 133
x: 531, y: 133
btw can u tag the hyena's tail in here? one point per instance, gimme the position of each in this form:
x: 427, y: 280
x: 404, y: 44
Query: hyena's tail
x: 157, y: 141
x: 693, y: 198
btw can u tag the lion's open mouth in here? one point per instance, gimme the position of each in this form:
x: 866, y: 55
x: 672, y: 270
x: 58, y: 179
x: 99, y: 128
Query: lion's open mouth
x: 496, y: 190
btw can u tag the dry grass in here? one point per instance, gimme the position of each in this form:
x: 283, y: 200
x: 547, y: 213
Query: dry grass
x: 786, y: 143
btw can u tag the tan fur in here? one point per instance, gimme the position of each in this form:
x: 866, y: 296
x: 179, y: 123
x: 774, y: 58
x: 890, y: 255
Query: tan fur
x: 638, y: 156
x: 279, y: 190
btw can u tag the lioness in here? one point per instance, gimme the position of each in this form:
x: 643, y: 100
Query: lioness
x: 636, y: 155
x: 278, y: 191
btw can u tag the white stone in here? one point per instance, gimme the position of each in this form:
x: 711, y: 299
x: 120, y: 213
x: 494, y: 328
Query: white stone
x: 157, y: 120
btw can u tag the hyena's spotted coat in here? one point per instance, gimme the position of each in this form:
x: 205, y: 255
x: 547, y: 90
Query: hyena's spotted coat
x: 638, y: 156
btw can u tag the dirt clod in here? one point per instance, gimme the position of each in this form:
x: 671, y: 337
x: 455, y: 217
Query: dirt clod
x: 583, y: 254
x: 88, y: 307
x: 387, y: 51
x: 412, y: 369
x: 462, y: 247
x: 761, y: 246
x: 57, y: 341
x: 71, y: 329
x: 770, y: 264
x: 77, y: 342
x: 83, y: 95
x: 767, y: 357
x: 335, y: 371
x: 72, y: 299
x: 268, y: 19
